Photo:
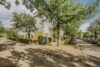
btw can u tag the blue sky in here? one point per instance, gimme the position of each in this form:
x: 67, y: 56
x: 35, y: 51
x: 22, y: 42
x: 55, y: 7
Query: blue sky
x: 86, y: 2
x: 6, y: 15
x: 91, y: 20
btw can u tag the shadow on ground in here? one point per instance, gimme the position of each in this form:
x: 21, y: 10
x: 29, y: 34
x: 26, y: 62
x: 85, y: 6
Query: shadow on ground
x: 49, y: 58
x: 7, y: 45
x: 6, y: 63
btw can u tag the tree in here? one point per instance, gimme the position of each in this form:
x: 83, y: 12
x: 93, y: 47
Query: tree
x: 1, y: 27
x: 88, y: 35
x: 24, y: 22
x: 95, y: 28
x: 11, y: 33
x: 5, y: 4
x: 17, y: 2
x: 80, y: 34
x: 72, y: 25
x: 71, y: 30
x: 60, y: 11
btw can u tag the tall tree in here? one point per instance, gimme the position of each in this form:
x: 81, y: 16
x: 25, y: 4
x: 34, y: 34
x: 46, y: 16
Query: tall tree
x: 24, y: 22
x: 60, y: 11
x: 95, y: 28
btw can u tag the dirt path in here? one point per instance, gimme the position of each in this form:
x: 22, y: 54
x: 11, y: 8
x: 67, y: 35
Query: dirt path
x: 48, y: 56
x: 88, y: 47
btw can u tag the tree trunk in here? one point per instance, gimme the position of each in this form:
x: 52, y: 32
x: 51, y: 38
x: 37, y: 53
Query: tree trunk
x: 95, y: 35
x: 28, y: 33
x: 58, y: 31
x: 29, y: 36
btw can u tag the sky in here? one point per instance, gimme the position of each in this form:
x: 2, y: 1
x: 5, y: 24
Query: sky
x: 88, y: 22
x: 6, y: 15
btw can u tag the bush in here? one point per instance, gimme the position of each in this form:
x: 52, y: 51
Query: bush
x: 40, y: 40
x: 22, y: 40
x: 44, y: 40
x: 49, y: 39
x: 98, y: 43
x: 0, y: 35
x: 26, y: 41
x: 88, y: 35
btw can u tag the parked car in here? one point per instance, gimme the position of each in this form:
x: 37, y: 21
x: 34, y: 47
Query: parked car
x: 73, y: 41
x: 94, y: 42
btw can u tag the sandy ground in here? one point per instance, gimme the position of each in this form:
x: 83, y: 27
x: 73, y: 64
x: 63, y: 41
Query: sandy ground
x: 20, y: 55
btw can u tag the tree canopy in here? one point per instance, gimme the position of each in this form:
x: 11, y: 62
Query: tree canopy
x: 24, y: 22
x: 5, y: 4
x: 65, y: 15
x: 62, y: 13
x: 95, y: 28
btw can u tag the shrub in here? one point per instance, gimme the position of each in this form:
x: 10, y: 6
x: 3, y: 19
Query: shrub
x: 88, y: 35
x: 49, y: 39
x: 0, y: 35
x: 98, y: 43
x: 22, y: 40
x: 40, y: 40
x: 26, y: 41
x: 43, y: 40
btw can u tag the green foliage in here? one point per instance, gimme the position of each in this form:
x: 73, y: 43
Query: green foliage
x: 1, y: 35
x: 40, y: 40
x: 24, y: 22
x: 98, y: 43
x: 1, y: 27
x: 49, y: 39
x: 44, y: 40
x: 8, y: 6
x: 5, y: 4
x: 95, y: 28
x: 17, y: 2
x: 26, y: 41
x: 63, y: 13
x: 12, y: 33
x: 2, y: 30
x: 22, y: 40
x: 70, y: 29
x: 88, y: 35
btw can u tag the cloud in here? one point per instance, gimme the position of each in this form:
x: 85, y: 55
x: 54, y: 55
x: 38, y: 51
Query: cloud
x: 88, y: 22
x: 6, y: 15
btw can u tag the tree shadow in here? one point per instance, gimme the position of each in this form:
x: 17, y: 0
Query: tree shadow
x: 6, y: 63
x: 92, y: 47
x: 7, y: 45
x: 50, y: 58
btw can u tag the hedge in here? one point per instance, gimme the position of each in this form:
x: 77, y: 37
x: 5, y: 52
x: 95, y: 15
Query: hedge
x: 22, y: 40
